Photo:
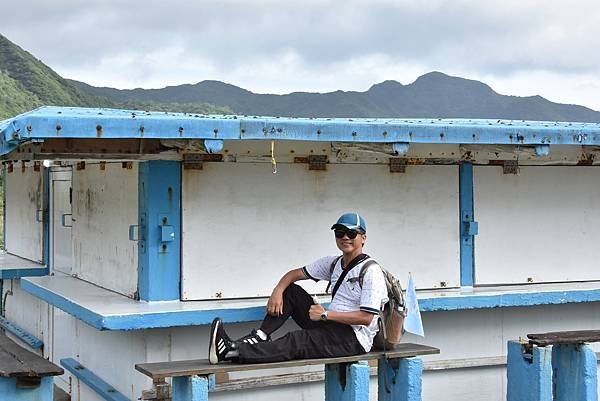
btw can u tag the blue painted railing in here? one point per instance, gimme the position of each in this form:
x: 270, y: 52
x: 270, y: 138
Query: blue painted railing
x: 21, y: 334
x: 102, y: 388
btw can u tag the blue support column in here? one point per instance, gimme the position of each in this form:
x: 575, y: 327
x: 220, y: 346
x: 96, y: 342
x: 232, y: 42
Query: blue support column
x: 347, y: 382
x: 399, y: 379
x: 159, y: 244
x: 190, y: 388
x: 575, y: 376
x: 10, y: 392
x: 529, y: 376
x: 468, y: 225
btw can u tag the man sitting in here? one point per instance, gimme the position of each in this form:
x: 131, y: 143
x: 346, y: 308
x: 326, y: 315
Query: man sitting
x: 347, y: 328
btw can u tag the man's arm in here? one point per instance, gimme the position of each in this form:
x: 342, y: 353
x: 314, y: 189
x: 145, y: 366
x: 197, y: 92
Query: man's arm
x: 358, y: 317
x: 275, y: 303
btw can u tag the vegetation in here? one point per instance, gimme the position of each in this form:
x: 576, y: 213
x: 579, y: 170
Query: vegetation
x: 176, y: 107
x: 14, y: 99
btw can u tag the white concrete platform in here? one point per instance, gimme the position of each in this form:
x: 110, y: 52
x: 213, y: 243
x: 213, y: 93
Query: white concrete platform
x: 107, y: 310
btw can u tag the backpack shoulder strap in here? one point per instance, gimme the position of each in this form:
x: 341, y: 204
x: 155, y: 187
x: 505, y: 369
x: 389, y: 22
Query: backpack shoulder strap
x: 363, y: 270
x: 331, y: 269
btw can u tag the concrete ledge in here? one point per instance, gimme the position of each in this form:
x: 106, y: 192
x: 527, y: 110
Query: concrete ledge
x: 12, y: 266
x: 107, y: 310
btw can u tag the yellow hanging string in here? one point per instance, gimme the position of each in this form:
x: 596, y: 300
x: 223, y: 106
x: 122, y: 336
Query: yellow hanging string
x: 273, y: 161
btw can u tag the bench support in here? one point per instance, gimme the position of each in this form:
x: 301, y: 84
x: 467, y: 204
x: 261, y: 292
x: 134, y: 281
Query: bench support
x: 10, y: 392
x: 575, y: 373
x: 192, y: 388
x: 346, y: 382
x: 529, y: 373
x: 399, y: 379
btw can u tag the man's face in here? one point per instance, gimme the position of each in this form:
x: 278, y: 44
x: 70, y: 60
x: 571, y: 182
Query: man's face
x: 347, y: 244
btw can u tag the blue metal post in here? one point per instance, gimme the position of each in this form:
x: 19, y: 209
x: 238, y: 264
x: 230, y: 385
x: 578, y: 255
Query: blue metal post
x: 399, y: 379
x: 347, y: 382
x: 468, y: 225
x: 190, y: 388
x: 575, y: 377
x: 529, y: 375
x: 159, y: 246
x: 10, y: 392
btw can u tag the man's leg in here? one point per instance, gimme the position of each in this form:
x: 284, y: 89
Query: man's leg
x: 296, y: 303
x: 329, y: 340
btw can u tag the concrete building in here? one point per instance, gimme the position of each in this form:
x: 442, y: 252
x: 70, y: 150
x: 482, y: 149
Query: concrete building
x: 127, y: 232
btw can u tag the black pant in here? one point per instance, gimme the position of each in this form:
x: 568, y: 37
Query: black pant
x: 315, y: 340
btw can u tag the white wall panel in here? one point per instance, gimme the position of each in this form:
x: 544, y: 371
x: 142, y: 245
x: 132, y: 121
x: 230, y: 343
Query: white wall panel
x: 243, y: 226
x: 24, y: 192
x: 105, y: 204
x: 541, y: 225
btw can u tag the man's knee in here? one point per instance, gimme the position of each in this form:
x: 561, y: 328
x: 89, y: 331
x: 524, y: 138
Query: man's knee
x: 294, y: 290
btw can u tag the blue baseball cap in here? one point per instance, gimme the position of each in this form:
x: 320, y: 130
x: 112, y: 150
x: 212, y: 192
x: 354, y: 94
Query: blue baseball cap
x: 351, y: 221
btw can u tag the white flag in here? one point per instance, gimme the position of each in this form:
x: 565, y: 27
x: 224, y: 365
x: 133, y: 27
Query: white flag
x: 412, y: 322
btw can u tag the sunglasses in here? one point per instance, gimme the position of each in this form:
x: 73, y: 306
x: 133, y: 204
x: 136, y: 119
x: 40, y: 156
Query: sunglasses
x: 350, y: 233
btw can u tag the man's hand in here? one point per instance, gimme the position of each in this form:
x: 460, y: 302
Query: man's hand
x: 315, y: 311
x: 275, y: 303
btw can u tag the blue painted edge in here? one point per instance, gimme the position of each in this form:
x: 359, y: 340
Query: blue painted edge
x: 78, y: 311
x: 21, y: 334
x: 466, y: 206
x: 10, y: 274
x: 83, y: 122
x: 159, y: 263
x: 102, y: 388
x: 138, y: 321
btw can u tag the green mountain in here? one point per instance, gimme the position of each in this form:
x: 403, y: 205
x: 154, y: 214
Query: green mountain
x: 27, y: 83
x: 30, y: 83
x: 434, y: 95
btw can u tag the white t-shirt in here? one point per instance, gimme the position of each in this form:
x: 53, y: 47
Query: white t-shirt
x: 350, y: 297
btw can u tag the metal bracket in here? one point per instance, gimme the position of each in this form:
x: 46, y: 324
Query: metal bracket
x: 39, y: 215
x: 192, y: 161
x: 63, y: 220
x: 510, y: 167
x: 317, y: 162
x: 134, y: 233
x: 397, y: 165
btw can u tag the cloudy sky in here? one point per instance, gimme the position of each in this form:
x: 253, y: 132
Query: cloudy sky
x: 526, y: 47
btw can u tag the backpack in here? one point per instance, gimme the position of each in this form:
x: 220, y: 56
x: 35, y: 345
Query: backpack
x: 391, y: 322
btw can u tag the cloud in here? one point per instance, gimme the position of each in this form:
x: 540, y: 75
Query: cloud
x: 278, y: 46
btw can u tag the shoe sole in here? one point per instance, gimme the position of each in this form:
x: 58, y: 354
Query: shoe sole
x: 213, y: 358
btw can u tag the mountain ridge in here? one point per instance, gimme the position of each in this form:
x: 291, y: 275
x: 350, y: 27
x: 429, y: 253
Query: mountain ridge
x: 432, y: 95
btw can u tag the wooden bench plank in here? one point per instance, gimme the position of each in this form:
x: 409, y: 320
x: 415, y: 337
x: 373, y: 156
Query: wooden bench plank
x: 160, y: 370
x: 564, y: 337
x: 16, y: 361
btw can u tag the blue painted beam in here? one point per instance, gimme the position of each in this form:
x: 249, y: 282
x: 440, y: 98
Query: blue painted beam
x: 9, y: 274
x: 159, y: 248
x: 202, y: 316
x: 468, y: 226
x: 65, y: 122
x: 21, y: 334
x: 102, y: 388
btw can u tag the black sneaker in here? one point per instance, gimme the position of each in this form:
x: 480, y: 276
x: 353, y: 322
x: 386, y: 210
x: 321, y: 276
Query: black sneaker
x: 252, y: 338
x: 220, y: 343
